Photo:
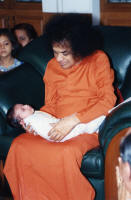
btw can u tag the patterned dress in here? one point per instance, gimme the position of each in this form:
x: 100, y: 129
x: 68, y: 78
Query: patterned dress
x: 16, y: 64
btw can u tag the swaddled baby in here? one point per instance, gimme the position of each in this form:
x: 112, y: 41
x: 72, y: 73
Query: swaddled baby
x: 40, y: 123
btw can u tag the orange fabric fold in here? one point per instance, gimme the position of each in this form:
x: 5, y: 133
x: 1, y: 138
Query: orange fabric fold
x: 42, y: 170
x: 85, y: 88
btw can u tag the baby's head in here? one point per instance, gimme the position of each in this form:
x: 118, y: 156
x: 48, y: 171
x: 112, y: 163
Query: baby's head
x: 18, y: 113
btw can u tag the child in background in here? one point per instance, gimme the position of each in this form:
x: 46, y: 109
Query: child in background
x: 8, y: 43
x: 40, y: 123
x: 24, y: 33
x: 123, y: 171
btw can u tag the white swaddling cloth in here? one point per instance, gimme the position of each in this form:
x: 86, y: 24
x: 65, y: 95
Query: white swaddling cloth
x: 40, y: 124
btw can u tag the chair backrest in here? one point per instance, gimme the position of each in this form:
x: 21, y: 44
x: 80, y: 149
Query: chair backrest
x: 36, y: 53
x: 116, y: 42
x: 22, y: 85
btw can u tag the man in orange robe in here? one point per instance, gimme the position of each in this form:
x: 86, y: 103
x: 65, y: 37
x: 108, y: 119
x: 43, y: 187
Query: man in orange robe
x: 76, y: 90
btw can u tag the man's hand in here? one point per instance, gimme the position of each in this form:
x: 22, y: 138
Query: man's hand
x: 63, y: 127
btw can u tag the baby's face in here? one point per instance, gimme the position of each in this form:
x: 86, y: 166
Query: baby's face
x: 23, y: 111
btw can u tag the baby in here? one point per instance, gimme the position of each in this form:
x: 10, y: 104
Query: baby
x: 40, y: 123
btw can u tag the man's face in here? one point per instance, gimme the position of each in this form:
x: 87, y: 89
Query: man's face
x: 23, y: 111
x: 64, y: 56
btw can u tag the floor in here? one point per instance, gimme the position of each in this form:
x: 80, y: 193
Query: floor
x: 4, y: 193
x: 3, y: 184
x: 5, y: 198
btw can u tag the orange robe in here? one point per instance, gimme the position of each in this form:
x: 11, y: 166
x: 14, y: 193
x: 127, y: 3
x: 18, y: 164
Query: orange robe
x: 43, y: 170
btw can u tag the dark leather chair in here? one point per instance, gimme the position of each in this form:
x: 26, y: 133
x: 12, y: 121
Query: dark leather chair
x: 24, y: 84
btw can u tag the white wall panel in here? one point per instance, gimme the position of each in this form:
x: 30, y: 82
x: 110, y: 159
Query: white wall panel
x: 74, y: 6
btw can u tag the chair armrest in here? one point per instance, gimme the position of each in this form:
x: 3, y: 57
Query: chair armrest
x: 92, y: 165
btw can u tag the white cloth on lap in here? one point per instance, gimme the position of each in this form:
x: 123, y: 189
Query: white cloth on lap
x: 40, y: 123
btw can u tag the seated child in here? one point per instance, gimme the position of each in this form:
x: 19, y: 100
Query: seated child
x: 40, y: 123
x: 123, y: 171
x: 8, y: 44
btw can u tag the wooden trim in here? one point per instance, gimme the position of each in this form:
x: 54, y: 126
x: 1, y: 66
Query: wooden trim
x: 107, y: 6
x: 4, y: 4
x: 12, y: 4
x: 26, y: 5
x: 116, y: 18
x: 115, y: 14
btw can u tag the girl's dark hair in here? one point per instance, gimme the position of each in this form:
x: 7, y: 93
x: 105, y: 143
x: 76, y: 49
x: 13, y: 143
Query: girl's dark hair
x: 74, y: 28
x: 125, y: 149
x: 28, y: 28
x: 11, y: 119
x: 8, y: 33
